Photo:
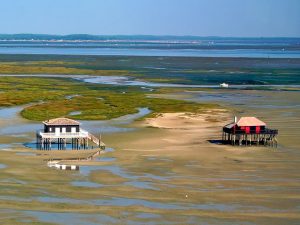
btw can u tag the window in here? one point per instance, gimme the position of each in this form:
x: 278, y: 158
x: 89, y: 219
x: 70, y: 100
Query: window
x: 57, y: 130
x: 73, y: 130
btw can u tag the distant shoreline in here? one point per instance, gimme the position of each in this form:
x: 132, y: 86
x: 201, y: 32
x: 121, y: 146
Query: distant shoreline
x: 90, y: 37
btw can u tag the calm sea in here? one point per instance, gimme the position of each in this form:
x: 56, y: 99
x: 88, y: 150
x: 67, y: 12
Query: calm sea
x: 256, y: 48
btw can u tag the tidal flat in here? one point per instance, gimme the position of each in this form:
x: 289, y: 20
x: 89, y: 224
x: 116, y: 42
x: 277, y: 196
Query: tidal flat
x: 49, y: 98
x: 160, y: 69
x: 165, y: 167
x: 161, y: 167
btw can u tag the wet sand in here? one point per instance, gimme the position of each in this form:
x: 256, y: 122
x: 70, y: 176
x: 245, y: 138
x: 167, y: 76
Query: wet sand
x: 163, y: 170
x: 182, y: 131
x: 237, y: 184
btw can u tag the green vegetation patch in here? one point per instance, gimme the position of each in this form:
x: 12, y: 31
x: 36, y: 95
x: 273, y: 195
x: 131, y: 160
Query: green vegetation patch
x: 179, y: 70
x: 57, y: 97
x: 55, y: 67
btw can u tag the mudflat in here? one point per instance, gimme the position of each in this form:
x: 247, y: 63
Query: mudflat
x: 165, y: 170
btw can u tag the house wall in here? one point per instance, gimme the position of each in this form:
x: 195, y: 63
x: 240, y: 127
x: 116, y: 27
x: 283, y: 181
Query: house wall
x: 244, y: 130
x: 250, y: 129
x: 51, y: 128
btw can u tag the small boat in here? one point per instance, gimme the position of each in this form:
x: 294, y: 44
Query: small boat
x: 224, y: 85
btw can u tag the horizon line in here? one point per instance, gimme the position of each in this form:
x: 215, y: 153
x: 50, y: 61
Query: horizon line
x: 151, y: 35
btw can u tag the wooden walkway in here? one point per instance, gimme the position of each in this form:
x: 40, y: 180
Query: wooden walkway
x: 96, y: 141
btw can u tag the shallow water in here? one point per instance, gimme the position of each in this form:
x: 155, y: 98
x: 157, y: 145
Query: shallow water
x: 253, y: 53
x: 86, y: 184
x: 12, y: 125
x: 279, y: 109
x: 5, y: 147
x: 75, y: 113
x: 142, y: 185
x: 147, y: 85
x: 21, y: 132
x: 69, y: 97
x: 105, y: 159
x: 114, y: 125
x: 119, y: 171
x: 2, y: 166
x: 127, y: 202
x: 26, y: 153
x: 173, y: 185
x: 72, y: 218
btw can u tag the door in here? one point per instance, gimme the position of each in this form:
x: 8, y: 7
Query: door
x: 63, y: 130
x: 257, y: 129
x: 73, y: 130
x: 57, y: 130
x: 247, y: 130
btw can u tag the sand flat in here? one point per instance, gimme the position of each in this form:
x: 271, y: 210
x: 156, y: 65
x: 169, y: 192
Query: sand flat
x: 166, y: 168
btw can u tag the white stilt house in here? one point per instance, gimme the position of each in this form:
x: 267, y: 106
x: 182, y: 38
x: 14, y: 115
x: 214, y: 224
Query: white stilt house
x: 61, y: 132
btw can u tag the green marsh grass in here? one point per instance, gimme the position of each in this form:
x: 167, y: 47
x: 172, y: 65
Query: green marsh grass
x: 182, y: 70
x: 49, y: 99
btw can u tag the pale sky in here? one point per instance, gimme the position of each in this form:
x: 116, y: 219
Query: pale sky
x: 239, y: 18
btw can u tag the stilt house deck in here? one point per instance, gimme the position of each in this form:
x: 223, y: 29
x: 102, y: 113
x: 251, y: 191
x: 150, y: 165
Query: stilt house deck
x: 64, y: 131
x: 248, y: 131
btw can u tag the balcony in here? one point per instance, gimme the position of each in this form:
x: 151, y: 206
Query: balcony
x: 264, y: 131
x: 81, y: 134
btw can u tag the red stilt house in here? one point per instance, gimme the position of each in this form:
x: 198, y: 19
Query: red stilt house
x: 248, y: 130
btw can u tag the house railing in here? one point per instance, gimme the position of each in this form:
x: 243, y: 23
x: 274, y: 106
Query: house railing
x: 81, y: 133
x: 264, y: 131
